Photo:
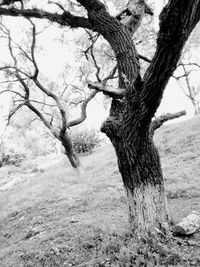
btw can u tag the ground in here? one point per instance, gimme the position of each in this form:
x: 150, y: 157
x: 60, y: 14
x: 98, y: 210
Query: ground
x: 50, y: 216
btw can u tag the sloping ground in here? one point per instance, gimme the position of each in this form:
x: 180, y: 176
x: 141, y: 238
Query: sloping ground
x: 52, y: 217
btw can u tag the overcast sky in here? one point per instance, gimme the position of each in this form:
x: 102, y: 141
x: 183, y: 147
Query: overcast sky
x: 174, y: 100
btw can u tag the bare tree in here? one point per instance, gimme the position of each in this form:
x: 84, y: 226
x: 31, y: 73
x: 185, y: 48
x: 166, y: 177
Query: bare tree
x: 192, y: 92
x: 22, y: 96
x: 137, y: 98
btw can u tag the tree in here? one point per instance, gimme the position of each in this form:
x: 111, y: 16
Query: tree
x: 190, y: 91
x: 25, y: 70
x: 187, y: 67
x: 137, y: 98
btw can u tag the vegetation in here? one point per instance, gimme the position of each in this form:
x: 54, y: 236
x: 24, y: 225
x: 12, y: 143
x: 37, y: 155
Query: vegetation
x: 12, y: 159
x: 93, y: 230
x: 85, y: 140
x: 135, y: 97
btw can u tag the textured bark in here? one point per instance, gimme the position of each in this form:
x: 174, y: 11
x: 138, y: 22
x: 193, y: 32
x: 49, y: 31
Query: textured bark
x: 69, y: 151
x: 147, y: 208
x: 128, y: 125
x: 177, y: 20
x: 141, y: 172
x: 158, y: 122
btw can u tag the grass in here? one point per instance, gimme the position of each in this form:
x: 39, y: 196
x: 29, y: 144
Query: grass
x: 52, y: 217
x: 179, y: 150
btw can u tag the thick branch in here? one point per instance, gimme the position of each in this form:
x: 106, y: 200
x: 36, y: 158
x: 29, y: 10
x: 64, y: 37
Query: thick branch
x: 92, y: 5
x: 158, y: 122
x: 65, y: 19
x: 42, y: 118
x: 177, y: 21
x: 83, y: 115
x: 106, y: 88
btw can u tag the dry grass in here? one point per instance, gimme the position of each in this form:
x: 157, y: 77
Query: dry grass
x: 52, y: 217
x: 179, y: 145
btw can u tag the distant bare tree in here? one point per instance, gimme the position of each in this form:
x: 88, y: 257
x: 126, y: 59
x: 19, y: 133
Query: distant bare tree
x: 190, y: 91
x: 28, y: 79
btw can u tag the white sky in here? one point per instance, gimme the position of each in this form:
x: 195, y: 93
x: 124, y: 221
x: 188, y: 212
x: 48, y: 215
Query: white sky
x: 55, y: 56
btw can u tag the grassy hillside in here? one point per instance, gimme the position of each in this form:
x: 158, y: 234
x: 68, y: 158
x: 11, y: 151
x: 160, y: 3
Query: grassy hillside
x: 52, y: 217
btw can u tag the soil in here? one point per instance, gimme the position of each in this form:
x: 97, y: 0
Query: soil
x: 52, y: 217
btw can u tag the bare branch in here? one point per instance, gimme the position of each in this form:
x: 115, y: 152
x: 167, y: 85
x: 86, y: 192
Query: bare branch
x: 10, y: 81
x: 42, y: 103
x: 144, y: 58
x: 158, y: 122
x: 6, y: 31
x: 42, y: 118
x: 12, y: 113
x: 106, y: 88
x: 65, y: 19
x: 181, y: 86
x: 33, y: 50
x: 83, y: 115
x: 12, y: 91
x: 16, y: 69
x: 111, y: 75
x: 57, y: 4
x: 26, y: 88
x: 96, y: 65
x: 56, y: 99
x: 188, y: 64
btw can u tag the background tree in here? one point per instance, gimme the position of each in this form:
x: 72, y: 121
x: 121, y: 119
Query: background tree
x: 190, y: 90
x: 187, y: 68
x: 23, y: 79
x: 136, y: 99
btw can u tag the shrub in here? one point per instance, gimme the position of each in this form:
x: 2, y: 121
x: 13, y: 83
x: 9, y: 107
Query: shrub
x: 85, y: 140
x: 12, y: 159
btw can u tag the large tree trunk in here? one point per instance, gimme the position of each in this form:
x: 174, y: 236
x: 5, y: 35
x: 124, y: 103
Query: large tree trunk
x: 140, y: 168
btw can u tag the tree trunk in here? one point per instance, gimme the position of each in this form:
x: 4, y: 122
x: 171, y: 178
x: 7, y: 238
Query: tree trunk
x: 69, y: 151
x: 196, y: 107
x: 139, y: 165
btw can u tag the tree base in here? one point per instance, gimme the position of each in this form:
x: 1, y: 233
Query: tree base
x: 147, y: 208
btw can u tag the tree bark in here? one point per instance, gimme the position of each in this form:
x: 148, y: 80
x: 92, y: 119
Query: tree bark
x: 69, y: 151
x: 128, y: 125
x: 196, y: 107
x: 142, y: 176
x: 138, y: 159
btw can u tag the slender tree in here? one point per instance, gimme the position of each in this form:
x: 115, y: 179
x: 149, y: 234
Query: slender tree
x: 44, y: 109
x: 137, y: 98
x: 191, y: 92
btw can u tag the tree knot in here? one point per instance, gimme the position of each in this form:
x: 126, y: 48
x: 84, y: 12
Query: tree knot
x: 111, y: 127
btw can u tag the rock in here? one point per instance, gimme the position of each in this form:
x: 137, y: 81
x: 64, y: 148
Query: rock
x: 35, y: 169
x: 188, y: 225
